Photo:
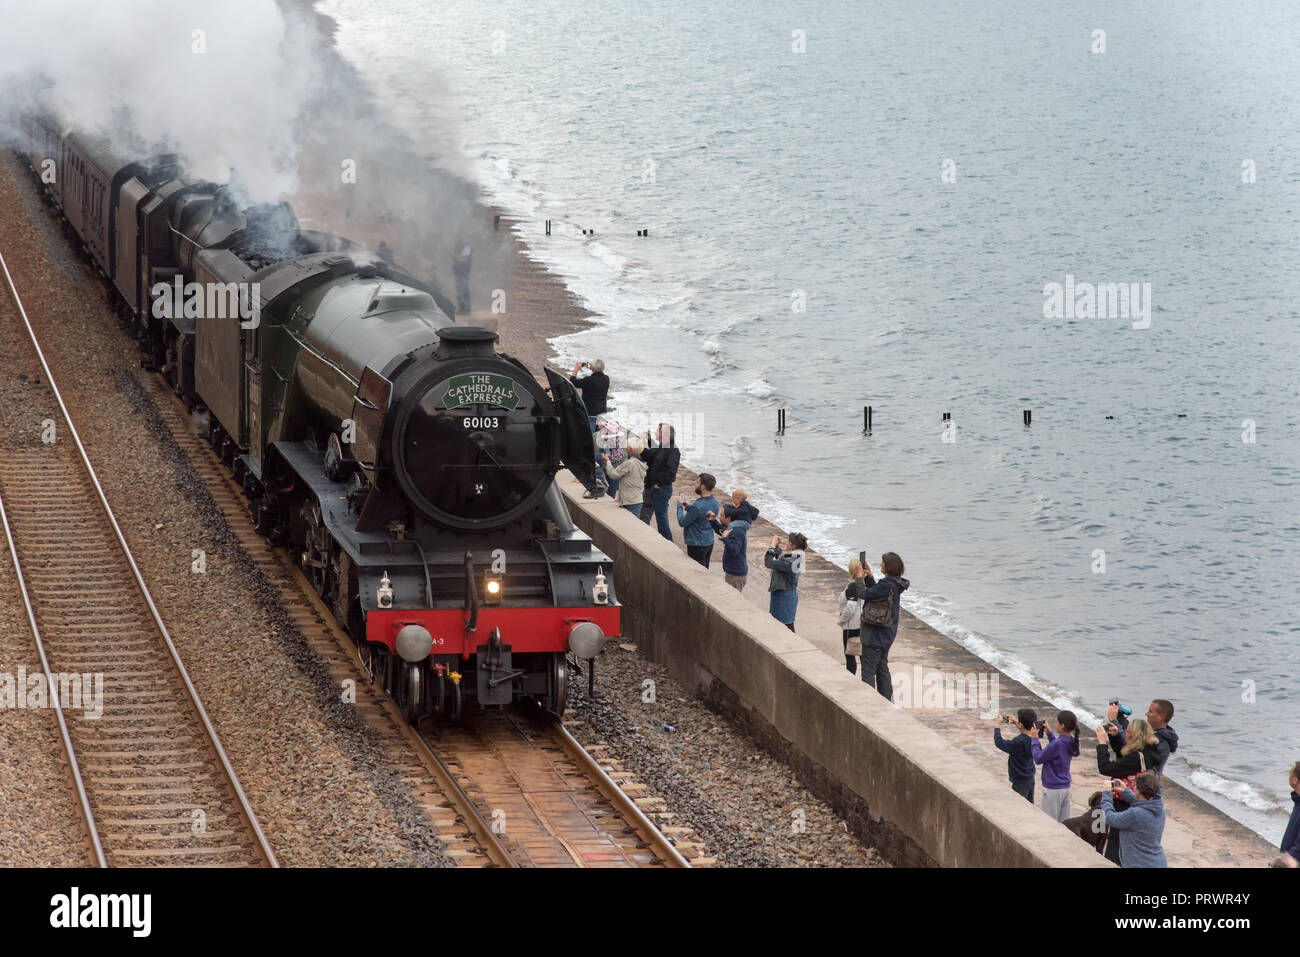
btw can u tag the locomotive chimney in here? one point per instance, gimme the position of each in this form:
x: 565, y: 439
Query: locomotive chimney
x: 457, y: 341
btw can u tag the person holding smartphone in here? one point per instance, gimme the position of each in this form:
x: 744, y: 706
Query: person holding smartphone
x: 878, y: 638
x: 1020, y: 752
x: 662, y: 460
x: 1055, y: 760
x: 786, y: 560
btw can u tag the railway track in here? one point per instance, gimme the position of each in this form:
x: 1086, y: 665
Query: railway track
x: 500, y: 792
x: 153, y: 783
x: 560, y: 806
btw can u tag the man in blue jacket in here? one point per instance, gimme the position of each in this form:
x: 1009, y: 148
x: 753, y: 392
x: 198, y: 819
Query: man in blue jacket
x: 734, y: 533
x: 1141, y: 827
x: 694, y: 519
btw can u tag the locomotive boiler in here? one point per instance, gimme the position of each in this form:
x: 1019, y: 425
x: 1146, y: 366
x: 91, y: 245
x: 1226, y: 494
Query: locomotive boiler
x: 408, y: 466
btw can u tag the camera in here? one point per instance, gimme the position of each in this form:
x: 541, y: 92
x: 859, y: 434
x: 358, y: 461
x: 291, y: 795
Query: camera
x: 1041, y: 725
x: 1124, y: 709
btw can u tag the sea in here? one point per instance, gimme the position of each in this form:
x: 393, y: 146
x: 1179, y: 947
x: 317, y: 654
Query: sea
x: 952, y: 213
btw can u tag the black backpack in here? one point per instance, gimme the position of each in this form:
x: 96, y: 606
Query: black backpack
x: 879, y: 613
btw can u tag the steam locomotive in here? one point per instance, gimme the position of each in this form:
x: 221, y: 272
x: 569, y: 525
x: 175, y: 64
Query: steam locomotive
x: 406, y: 464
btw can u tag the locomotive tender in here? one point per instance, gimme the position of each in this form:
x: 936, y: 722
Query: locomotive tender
x: 406, y: 465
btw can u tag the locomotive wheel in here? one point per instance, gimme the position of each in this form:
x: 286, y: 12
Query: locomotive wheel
x: 557, y: 690
x: 410, y: 692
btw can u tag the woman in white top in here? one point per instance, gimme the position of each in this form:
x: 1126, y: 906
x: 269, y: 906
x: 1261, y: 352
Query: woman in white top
x: 630, y: 474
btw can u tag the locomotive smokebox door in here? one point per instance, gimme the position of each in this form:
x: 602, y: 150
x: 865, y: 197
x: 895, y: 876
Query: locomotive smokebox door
x: 577, y: 442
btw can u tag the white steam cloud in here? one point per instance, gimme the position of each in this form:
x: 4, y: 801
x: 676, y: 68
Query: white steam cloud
x: 221, y: 82
x: 261, y: 99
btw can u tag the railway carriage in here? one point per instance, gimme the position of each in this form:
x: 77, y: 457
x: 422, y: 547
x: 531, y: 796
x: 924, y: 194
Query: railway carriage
x: 406, y: 464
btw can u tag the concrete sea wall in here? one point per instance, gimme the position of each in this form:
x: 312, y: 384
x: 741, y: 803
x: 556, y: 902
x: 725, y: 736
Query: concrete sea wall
x: 899, y: 784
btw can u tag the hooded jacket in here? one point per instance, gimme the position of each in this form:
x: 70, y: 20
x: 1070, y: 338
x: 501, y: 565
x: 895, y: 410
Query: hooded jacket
x: 1167, y: 735
x: 1055, y: 759
x: 1291, y: 839
x: 1167, y: 746
x: 734, y: 546
x: 786, y: 568
x: 1140, y: 829
x: 866, y: 590
x: 744, y: 511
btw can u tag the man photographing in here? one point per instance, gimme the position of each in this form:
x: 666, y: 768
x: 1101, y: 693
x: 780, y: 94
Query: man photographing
x: 1159, y: 713
x: 595, y: 391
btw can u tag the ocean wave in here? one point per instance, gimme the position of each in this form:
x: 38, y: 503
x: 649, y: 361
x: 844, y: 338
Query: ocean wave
x: 760, y: 389
x: 1238, y: 792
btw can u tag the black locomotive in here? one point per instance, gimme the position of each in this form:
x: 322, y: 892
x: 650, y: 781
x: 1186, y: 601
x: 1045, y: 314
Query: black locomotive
x: 405, y: 463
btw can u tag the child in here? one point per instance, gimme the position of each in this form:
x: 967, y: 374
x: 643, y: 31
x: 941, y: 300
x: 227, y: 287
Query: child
x: 734, y: 533
x: 740, y: 507
x: 1020, y: 754
x: 1055, y: 759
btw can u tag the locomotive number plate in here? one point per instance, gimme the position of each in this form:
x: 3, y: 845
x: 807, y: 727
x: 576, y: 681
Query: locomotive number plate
x: 479, y: 422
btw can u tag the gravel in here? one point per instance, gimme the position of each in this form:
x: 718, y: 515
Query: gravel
x: 748, y: 809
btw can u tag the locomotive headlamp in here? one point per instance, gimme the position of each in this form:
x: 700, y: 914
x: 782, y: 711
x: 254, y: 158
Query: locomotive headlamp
x: 600, y: 591
x: 414, y: 643
x: 492, y: 592
x: 384, y: 593
x: 586, y: 639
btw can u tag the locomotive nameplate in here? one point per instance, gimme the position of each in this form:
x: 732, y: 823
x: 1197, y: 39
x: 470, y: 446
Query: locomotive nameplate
x: 480, y: 388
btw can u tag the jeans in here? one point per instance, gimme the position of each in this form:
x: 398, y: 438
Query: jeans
x: 850, y: 661
x: 634, y: 509
x: 875, y: 670
x: 1024, y: 788
x: 660, y: 496
x: 613, y: 487
x: 700, y: 553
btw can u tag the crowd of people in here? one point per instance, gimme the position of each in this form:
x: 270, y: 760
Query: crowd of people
x: 1125, y: 821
